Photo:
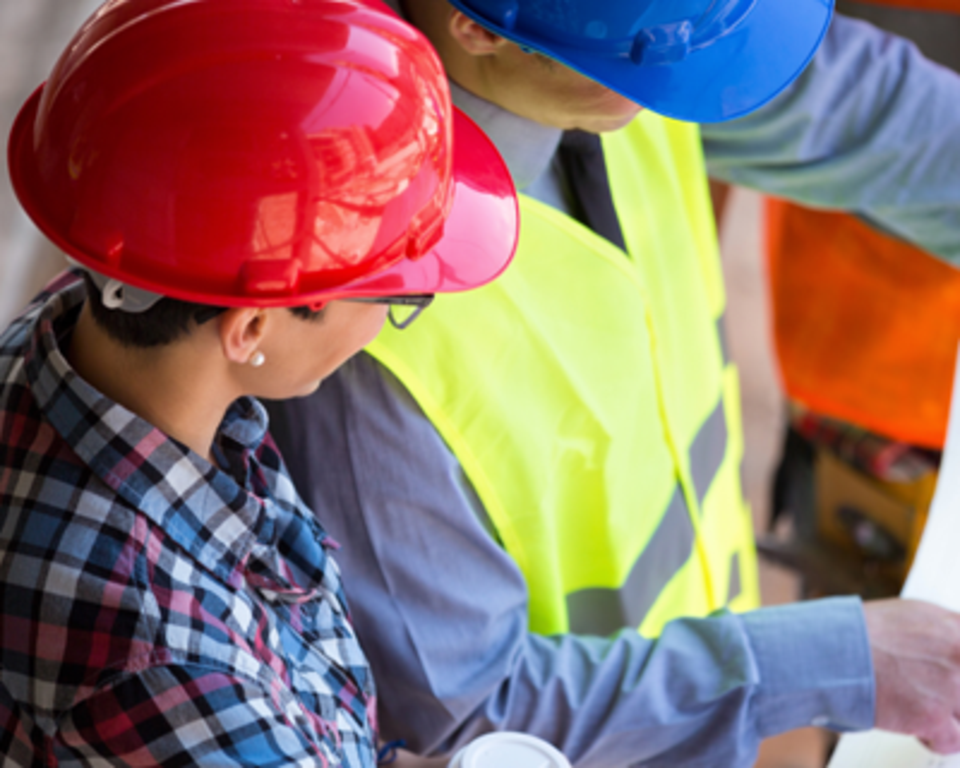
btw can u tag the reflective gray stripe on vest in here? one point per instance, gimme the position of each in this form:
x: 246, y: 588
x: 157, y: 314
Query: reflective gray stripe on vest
x: 727, y: 360
x: 602, y: 611
x: 709, y: 447
x: 708, y: 450
x: 724, y: 342
x: 736, y: 584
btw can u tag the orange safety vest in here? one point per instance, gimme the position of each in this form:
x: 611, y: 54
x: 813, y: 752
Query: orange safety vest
x: 866, y: 326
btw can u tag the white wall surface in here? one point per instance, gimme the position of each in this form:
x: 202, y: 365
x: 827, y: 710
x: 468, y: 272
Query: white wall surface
x: 32, y: 35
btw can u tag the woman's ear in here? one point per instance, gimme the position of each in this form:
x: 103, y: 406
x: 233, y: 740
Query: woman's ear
x: 242, y: 331
x: 474, y: 38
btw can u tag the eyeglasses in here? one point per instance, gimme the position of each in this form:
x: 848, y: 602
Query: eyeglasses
x: 403, y: 309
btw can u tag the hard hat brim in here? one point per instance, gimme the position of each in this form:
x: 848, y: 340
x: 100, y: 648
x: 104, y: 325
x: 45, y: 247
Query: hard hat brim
x: 732, y: 77
x: 480, y: 235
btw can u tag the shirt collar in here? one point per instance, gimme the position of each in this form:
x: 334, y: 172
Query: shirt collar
x: 205, y: 510
x: 527, y: 147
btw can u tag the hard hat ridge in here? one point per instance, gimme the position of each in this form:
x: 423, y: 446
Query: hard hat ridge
x: 616, y: 27
x: 695, y: 28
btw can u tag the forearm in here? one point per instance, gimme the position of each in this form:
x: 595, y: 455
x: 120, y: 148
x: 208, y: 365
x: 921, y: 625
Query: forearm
x: 871, y: 127
x: 705, y: 693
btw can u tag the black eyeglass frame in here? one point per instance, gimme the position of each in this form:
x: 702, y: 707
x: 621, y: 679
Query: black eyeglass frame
x: 419, y: 300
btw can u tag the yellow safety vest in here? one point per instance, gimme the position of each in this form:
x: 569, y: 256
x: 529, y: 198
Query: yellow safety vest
x: 588, y: 397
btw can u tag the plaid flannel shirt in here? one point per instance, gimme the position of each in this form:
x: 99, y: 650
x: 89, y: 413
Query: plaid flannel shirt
x: 155, y: 609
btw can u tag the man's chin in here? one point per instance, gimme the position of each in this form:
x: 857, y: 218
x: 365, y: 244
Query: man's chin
x: 607, y: 124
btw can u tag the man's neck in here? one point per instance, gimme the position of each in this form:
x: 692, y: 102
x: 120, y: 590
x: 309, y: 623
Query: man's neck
x: 527, y: 147
x: 175, y: 388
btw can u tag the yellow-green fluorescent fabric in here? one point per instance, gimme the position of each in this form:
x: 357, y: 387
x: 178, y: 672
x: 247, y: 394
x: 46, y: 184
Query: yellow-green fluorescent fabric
x: 587, y: 395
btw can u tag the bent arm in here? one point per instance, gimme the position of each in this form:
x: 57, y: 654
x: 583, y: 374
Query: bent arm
x: 870, y: 127
x: 441, y: 611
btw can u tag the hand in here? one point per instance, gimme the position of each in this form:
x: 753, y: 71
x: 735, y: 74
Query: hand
x: 916, y: 657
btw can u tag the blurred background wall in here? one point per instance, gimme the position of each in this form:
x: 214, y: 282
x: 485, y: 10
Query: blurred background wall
x: 32, y: 35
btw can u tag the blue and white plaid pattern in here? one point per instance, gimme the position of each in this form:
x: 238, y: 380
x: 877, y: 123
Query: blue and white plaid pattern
x: 155, y: 609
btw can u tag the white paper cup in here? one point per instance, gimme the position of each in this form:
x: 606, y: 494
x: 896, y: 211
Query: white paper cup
x: 509, y: 750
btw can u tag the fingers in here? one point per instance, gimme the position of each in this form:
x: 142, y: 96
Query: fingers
x: 946, y: 738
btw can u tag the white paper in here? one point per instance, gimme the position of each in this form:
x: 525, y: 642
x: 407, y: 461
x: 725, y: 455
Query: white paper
x: 935, y: 577
x: 877, y: 749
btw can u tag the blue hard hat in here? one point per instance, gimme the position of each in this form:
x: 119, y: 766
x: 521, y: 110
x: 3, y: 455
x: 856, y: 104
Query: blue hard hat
x: 698, y: 60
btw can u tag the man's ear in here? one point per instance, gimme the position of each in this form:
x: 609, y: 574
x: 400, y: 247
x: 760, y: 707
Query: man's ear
x: 242, y: 331
x: 474, y: 38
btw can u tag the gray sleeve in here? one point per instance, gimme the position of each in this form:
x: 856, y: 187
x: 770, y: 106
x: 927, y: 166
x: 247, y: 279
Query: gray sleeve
x: 870, y: 127
x: 441, y: 611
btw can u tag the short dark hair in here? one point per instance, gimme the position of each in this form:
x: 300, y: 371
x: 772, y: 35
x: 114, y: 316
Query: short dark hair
x: 165, y: 322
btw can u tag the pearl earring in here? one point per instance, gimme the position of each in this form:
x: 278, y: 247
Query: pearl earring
x: 257, y: 359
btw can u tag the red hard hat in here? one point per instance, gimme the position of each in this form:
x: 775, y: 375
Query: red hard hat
x: 261, y: 152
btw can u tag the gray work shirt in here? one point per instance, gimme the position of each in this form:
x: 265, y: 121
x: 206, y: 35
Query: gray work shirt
x: 441, y: 608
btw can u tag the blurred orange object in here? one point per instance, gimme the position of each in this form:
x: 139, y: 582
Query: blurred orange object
x: 866, y: 327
